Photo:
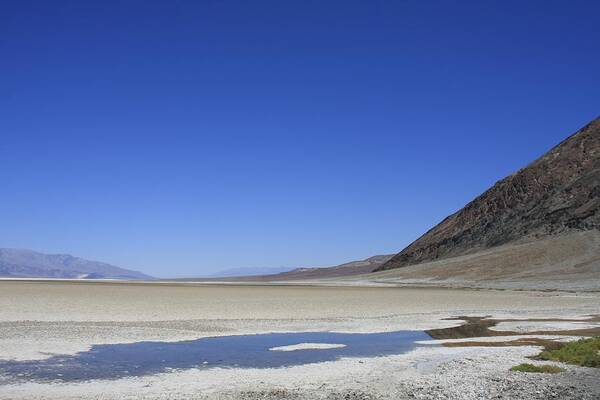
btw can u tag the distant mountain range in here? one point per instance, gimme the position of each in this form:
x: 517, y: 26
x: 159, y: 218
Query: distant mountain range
x: 20, y: 263
x: 249, y: 271
x: 350, y: 268
x: 338, y: 271
x: 541, y: 223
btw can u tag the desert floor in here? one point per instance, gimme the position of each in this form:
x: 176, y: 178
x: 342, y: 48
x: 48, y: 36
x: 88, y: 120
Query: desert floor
x: 41, y: 318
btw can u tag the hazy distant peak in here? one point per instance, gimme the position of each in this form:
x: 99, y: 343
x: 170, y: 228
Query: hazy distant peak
x: 24, y: 263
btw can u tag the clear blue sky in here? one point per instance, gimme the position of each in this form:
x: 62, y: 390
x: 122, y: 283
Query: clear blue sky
x: 185, y: 137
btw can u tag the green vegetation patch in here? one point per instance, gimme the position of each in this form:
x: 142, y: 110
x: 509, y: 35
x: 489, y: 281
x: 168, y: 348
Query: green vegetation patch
x: 547, y: 369
x: 584, y: 352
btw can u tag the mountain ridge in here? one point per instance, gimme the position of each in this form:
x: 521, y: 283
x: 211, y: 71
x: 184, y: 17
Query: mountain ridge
x: 25, y: 263
x: 557, y: 193
x: 349, y: 268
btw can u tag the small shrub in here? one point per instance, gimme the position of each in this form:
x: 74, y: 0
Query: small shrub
x: 584, y: 352
x: 547, y: 369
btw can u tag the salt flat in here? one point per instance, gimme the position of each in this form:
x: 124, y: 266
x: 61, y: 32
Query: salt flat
x: 42, y: 318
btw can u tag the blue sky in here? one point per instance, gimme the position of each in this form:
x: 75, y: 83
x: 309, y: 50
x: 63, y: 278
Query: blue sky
x: 181, y: 138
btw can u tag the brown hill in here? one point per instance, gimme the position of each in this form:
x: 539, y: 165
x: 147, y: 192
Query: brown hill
x: 342, y: 270
x: 350, y: 268
x: 556, y: 195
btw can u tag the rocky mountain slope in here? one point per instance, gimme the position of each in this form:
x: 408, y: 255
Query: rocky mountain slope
x: 19, y: 263
x: 558, y: 194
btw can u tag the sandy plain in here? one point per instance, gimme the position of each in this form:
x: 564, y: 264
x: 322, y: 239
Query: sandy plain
x: 41, y: 318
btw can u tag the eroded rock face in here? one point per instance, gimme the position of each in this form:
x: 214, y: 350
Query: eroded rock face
x: 558, y: 193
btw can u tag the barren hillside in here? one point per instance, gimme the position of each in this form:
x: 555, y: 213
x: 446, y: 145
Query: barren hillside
x: 556, y: 195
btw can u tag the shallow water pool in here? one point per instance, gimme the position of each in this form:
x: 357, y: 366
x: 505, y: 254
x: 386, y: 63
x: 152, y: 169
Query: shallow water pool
x: 113, y: 361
